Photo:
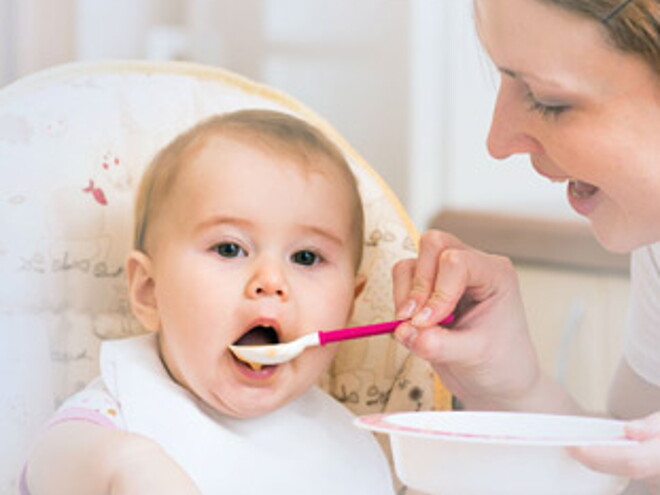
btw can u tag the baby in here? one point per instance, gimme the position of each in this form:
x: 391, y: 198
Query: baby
x: 249, y: 229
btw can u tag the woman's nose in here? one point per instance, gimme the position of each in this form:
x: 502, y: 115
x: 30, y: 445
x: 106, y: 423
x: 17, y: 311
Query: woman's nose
x: 510, y: 126
x: 268, y: 280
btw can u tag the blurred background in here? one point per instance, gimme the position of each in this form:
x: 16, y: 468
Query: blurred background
x: 403, y: 80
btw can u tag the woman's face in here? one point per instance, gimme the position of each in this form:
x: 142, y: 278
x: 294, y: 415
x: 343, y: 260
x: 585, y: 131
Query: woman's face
x: 585, y: 112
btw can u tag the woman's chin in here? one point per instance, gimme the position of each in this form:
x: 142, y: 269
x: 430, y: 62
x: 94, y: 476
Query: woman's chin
x: 617, y: 241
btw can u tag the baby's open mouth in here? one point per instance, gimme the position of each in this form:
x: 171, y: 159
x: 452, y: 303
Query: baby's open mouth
x: 258, y: 335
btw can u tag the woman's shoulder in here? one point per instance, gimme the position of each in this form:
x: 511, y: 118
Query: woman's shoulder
x: 645, y: 262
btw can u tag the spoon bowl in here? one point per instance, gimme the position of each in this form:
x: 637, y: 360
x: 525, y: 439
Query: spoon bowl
x: 271, y: 354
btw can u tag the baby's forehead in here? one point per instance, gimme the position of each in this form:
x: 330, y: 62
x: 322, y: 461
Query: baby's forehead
x: 284, y: 151
x: 222, y: 160
x: 310, y: 163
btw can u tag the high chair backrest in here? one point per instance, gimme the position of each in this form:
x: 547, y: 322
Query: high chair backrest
x: 73, y: 143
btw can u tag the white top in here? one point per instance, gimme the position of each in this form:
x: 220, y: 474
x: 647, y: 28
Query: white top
x: 307, y: 446
x: 642, y: 344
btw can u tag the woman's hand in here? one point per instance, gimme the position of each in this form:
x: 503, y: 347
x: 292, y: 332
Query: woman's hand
x: 640, y: 461
x: 486, y: 357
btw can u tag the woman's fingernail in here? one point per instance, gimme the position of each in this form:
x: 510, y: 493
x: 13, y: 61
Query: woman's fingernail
x: 422, y: 317
x: 407, y: 310
x: 407, y: 335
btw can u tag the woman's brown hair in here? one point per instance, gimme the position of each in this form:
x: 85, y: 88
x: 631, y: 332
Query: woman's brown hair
x: 633, y: 26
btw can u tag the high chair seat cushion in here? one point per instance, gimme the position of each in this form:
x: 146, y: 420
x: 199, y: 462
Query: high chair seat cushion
x: 73, y: 143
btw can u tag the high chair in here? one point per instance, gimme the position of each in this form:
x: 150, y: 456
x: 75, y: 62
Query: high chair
x: 73, y: 143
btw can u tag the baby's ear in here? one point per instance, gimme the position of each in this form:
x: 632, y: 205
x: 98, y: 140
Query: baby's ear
x: 360, y: 282
x: 141, y: 290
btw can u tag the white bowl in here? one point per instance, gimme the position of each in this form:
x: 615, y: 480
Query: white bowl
x: 496, y: 453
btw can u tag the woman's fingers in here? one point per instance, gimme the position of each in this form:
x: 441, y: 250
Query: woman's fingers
x: 451, y: 282
x: 464, y: 278
x: 640, y: 460
x: 402, y: 275
x: 645, y: 428
x: 442, y: 346
x: 415, y: 280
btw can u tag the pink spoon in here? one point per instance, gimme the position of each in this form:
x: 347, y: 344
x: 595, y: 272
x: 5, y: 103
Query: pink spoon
x: 258, y: 355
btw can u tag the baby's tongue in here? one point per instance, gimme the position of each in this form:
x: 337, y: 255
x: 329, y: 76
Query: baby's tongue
x: 259, y: 336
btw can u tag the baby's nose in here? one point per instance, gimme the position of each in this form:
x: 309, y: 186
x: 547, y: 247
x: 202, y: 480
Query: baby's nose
x: 268, y: 280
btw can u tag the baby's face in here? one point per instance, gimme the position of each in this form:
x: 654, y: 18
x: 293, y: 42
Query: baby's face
x: 250, y: 248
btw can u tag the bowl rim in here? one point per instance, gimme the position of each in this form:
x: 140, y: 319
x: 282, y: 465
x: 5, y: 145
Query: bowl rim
x: 386, y: 423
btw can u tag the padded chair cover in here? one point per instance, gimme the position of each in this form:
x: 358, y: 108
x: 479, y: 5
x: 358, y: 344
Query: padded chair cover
x: 73, y: 143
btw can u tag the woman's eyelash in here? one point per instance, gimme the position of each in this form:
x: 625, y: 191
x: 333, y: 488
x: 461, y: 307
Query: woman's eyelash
x: 546, y: 111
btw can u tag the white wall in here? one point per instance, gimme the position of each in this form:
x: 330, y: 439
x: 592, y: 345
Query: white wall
x: 453, y: 101
x: 7, y: 42
x: 404, y: 81
x: 347, y: 60
x: 36, y: 34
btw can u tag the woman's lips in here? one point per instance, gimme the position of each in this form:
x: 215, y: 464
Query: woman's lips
x: 581, y: 190
x: 582, y: 196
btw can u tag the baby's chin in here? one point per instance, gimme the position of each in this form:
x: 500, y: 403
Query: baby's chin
x: 253, y: 407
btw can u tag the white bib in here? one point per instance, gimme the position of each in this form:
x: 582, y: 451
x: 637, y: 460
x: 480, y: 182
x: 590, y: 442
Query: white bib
x: 309, y: 446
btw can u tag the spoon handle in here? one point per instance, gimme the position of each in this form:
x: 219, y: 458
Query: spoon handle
x: 326, y: 337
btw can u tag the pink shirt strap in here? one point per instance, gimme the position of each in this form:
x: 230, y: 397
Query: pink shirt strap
x: 68, y: 414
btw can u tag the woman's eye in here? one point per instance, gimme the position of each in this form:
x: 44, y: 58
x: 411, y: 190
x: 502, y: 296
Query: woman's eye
x: 545, y: 110
x: 229, y: 250
x: 305, y: 257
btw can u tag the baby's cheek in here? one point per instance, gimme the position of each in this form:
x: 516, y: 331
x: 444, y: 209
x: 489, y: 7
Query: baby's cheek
x: 321, y: 357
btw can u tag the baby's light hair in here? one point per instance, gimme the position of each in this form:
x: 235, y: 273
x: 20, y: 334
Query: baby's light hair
x: 274, y: 131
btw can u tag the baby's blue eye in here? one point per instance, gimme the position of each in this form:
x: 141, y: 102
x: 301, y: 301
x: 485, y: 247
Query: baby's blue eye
x: 305, y: 257
x: 229, y: 250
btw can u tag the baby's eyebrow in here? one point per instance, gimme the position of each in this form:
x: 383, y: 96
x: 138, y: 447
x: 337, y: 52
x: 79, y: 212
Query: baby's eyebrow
x: 305, y: 229
x: 221, y: 220
x: 323, y: 232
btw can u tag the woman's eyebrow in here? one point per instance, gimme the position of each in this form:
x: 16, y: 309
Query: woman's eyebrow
x: 529, y: 77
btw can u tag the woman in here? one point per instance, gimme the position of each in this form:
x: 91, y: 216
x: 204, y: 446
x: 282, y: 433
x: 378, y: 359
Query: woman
x: 580, y: 94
